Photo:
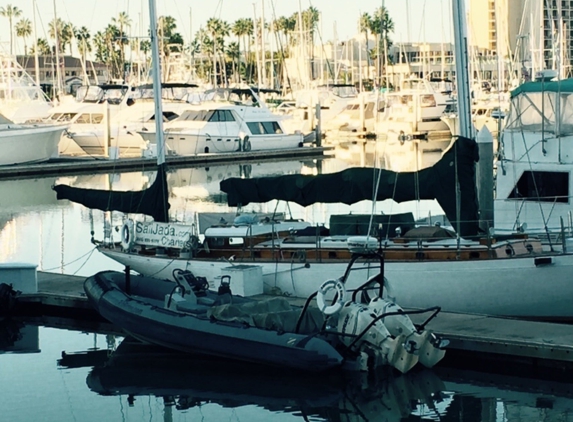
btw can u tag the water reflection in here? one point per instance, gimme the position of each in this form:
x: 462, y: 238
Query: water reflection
x: 104, y: 377
x: 184, y: 382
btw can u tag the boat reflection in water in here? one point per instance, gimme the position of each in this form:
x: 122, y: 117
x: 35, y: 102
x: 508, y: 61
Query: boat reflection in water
x: 185, y: 381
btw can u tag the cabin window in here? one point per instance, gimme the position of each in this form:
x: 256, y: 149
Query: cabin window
x: 544, y: 186
x: 84, y: 118
x: 216, y: 242
x: 222, y: 116
x: 167, y: 116
x: 97, y: 118
x: 197, y: 115
x: 260, y: 128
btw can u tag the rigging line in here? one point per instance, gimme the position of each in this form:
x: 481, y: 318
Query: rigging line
x: 545, y: 221
x: 85, y: 262
x: 330, y: 70
x: 90, y: 252
x: 281, y: 49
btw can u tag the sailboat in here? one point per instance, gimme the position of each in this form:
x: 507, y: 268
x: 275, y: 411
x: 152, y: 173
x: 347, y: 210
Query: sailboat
x: 359, y: 332
x: 464, y: 270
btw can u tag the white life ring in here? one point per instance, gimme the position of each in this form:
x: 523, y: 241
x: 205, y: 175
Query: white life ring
x: 321, y: 296
x: 246, y: 144
x: 128, y: 235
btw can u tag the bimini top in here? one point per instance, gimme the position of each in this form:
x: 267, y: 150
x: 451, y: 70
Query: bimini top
x: 564, y: 85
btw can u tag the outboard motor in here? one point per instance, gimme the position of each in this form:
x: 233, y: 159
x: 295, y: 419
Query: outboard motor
x: 431, y: 349
x: 377, y: 342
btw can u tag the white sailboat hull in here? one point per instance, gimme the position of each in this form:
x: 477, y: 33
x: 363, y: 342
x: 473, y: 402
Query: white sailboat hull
x: 514, y: 287
x: 29, y: 144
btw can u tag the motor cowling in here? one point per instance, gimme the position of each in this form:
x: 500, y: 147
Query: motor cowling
x: 431, y: 349
x: 376, y: 341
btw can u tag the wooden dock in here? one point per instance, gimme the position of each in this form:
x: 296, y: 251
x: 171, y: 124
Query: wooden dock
x: 473, y: 338
x: 93, y: 164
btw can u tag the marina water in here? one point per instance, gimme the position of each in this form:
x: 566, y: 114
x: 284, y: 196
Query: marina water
x: 36, y: 383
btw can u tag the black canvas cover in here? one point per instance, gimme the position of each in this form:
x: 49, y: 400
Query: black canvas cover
x: 153, y: 201
x: 356, y: 184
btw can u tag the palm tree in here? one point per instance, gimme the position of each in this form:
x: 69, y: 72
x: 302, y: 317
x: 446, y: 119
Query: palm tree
x: 68, y: 32
x: 122, y: 21
x: 382, y: 25
x: 214, y: 28
x: 239, y: 29
x: 167, y: 27
x: 310, y: 18
x: 247, y: 30
x: 55, y: 31
x: 24, y: 30
x: 43, y: 47
x: 233, y: 53
x: 100, y: 47
x: 365, y: 24
x: 10, y: 12
x: 83, y: 39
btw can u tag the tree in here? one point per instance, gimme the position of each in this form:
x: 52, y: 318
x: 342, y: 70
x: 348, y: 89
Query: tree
x: 215, y: 28
x: 55, y: 31
x: 122, y: 21
x: 24, y: 30
x: 381, y: 26
x: 68, y: 33
x: 43, y: 47
x: 11, y: 12
x: 84, y: 46
x: 233, y: 53
x: 365, y: 24
x: 242, y: 28
x: 169, y: 39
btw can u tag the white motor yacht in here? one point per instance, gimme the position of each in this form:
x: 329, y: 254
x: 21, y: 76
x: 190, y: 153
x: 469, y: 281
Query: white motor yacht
x: 94, y: 136
x: 28, y: 143
x: 226, y: 120
x: 414, y: 110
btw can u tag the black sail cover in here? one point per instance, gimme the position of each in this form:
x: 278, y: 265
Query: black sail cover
x: 153, y: 201
x: 356, y: 184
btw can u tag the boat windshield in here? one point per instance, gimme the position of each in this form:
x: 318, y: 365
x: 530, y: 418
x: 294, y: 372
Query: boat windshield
x: 17, y: 93
x: 538, y: 111
x: 172, y: 93
x: 414, y: 85
x: 344, y: 91
x: 97, y: 94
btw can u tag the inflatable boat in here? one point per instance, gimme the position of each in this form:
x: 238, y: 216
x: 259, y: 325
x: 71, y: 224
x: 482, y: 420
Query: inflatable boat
x: 334, y: 328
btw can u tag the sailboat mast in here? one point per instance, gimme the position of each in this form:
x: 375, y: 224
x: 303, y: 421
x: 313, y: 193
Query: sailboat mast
x: 36, y: 60
x: 462, y: 74
x: 156, y: 73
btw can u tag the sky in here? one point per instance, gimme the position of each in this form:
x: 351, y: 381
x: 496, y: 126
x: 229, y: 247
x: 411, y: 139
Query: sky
x: 415, y: 20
